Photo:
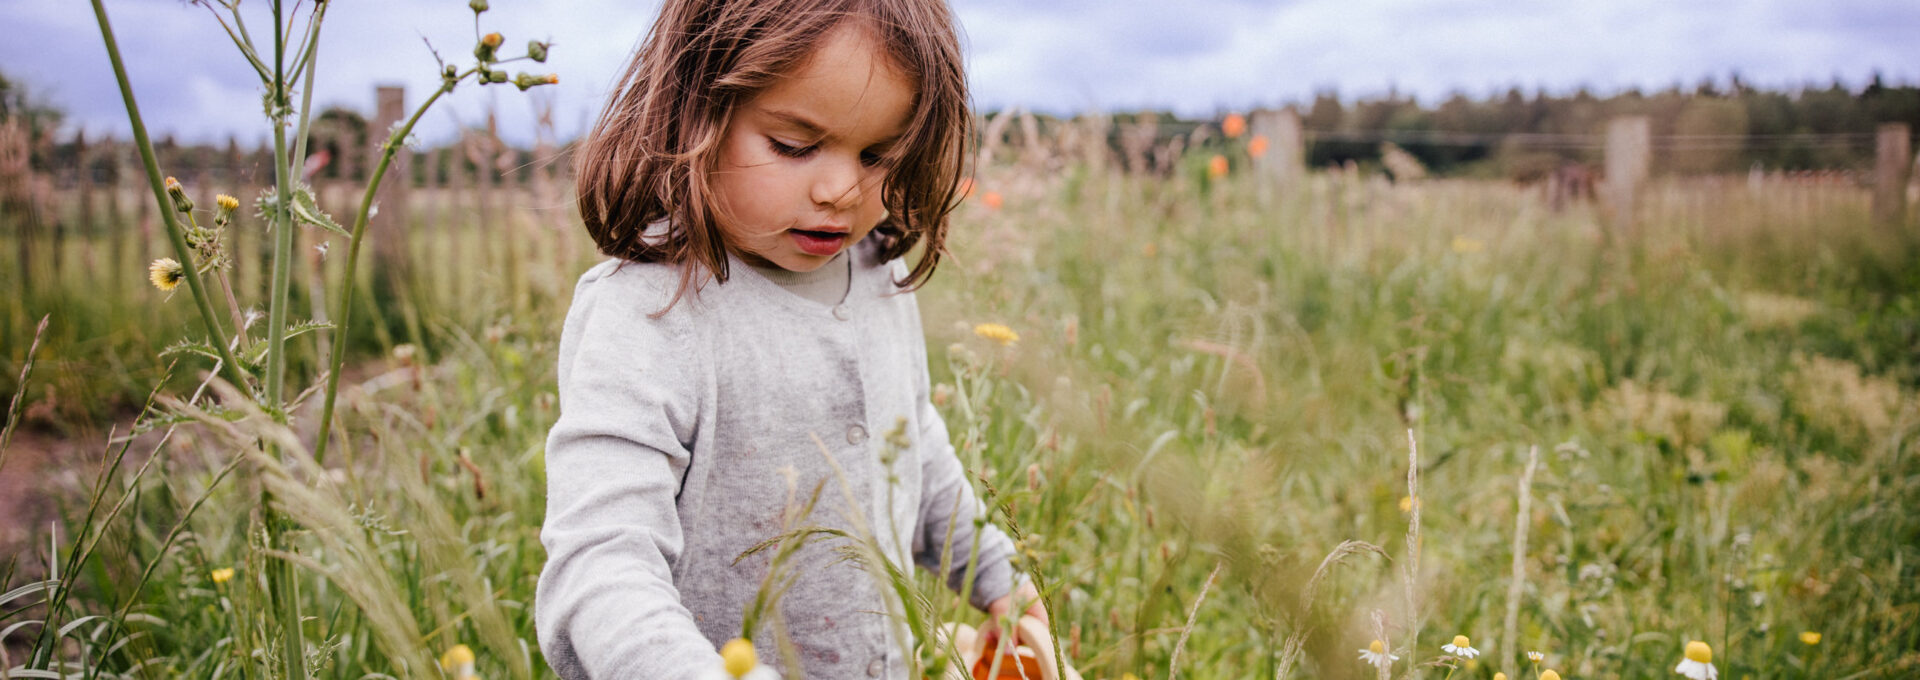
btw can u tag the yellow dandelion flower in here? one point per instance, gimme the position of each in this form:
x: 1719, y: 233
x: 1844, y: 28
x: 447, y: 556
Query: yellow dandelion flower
x: 221, y: 575
x: 1459, y: 647
x: 165, y: 273
x: 996, y: 332
x: 1499, y: 676
x: 1549, y: 674
x: 1699, y: 662
x: 457, y: 661
x: 1810, y: 637
x: 226, y: 202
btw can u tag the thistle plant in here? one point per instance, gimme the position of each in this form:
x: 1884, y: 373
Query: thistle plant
x: 285, y: 65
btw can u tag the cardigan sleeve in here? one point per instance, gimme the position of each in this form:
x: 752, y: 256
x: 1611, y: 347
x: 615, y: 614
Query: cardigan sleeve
x: 948, y: 505
x: 606, y: 605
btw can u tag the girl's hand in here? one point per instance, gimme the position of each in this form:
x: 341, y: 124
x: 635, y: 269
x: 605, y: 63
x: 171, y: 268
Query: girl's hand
x: 1025, y: 595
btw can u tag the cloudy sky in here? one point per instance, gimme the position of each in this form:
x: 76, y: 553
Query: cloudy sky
x: 1194, y: 56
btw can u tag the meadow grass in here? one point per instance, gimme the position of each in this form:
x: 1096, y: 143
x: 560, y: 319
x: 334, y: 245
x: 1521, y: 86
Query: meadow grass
x: 1213, y: 390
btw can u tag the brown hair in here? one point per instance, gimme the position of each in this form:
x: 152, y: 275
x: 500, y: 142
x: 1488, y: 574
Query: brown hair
x: 648, y: 156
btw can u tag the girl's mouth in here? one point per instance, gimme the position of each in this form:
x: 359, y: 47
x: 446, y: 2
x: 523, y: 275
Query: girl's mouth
x: 821, y: 243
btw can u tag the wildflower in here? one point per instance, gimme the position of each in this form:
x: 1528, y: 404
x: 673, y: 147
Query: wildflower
x: 991, y: 199
x: 537, y: 51
x: 179, y: 196
x: 1549, y: 674
x: 527, y: 81
x: 999, y: 333
x: 496, y: 76
x: 1377, y: 655
x: 739, y: 660
x: 1499, y: 676
x: 1257, y: 146
x: 1460, y: 648
x: 1810, y: 637
x: 1406, y: 504
x: 1217, y: 166
x: 941, y: 394
x: 1699, y: 662
x: 225, y: 206
x: 1536, y: 657
x: 221, y: 575
x: 484, y: 50
x: 458, y: 662
x: 405, y: 352
x: 477, y: 5
x: 1234, y: 126
x: 165, y: 273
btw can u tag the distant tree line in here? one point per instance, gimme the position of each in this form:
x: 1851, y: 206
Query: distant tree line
x: 1713, y: 128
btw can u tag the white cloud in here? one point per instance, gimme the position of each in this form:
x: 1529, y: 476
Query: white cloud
x: 1194, y: 56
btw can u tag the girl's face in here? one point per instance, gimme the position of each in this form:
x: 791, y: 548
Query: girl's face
x: 799, y: 176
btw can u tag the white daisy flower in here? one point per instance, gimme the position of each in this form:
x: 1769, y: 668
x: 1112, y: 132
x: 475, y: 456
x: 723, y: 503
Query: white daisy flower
x: 1461, y: 648
x: 1377, y: 655
x: 1699, y: 662
x: 1536, y: 657
x: 738, y: 660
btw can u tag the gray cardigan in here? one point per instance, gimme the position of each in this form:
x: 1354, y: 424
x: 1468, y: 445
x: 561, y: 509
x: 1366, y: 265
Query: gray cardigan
x: 680, y: 442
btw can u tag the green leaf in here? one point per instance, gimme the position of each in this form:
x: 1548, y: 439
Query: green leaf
x: 306, y: 210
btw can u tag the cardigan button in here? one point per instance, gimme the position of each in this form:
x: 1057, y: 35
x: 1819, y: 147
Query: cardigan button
x: 840, y: 312
x: 857, y: 434
x: 874, y: 668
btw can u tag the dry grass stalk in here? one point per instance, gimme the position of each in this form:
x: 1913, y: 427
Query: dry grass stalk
x: 1412, y: 567
x: 1508, y: 634
x: 1193, y: 615
x: 1295, y: 643
x: 1238, y: 358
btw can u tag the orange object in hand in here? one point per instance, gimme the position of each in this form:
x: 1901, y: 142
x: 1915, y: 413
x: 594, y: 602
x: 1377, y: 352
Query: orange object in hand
x: 1033, y: 659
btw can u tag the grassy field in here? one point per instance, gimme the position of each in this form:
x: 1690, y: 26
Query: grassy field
x: 1703, y: 429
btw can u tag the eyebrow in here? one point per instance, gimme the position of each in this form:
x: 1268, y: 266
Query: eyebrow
x: 814, y: 129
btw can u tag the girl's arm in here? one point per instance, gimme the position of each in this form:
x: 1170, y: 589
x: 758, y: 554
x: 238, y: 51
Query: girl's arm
x: 606, y: 606
x: 948, y: 503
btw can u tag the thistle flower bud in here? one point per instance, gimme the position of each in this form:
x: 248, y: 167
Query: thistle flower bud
x: 224, y: 206
x: 477, y: 5
x: 537, y: 51
x: 526, y: 81
x: 485, y: 49
x: 496, y: 76
x: 451, y: 73
x: 179, y: 196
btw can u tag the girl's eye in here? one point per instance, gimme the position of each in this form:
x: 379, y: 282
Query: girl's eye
x: 871, y: 159
x: 789, y: 150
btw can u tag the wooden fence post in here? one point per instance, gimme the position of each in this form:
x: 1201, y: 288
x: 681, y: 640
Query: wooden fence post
x: 1284, y: 161
x: 389, y: 226
x: 1629, y: 153
x: 1892, y: 163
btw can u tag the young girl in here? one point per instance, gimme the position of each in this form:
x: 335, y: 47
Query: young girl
x: 757, y: 177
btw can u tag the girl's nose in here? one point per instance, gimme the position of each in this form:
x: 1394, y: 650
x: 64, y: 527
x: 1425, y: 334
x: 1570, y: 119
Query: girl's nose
x: 840, y: 184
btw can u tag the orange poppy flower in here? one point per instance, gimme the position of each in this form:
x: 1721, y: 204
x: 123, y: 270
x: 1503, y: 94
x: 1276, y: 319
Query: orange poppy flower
x: 1217, y: 166
x: 1257, y: 146
x: 1234, y: 126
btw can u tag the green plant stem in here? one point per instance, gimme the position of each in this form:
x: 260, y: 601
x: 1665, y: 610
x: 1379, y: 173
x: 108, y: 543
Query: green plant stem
x: 210, y: 319
x: 339, y: 345
x: 282, y: 587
